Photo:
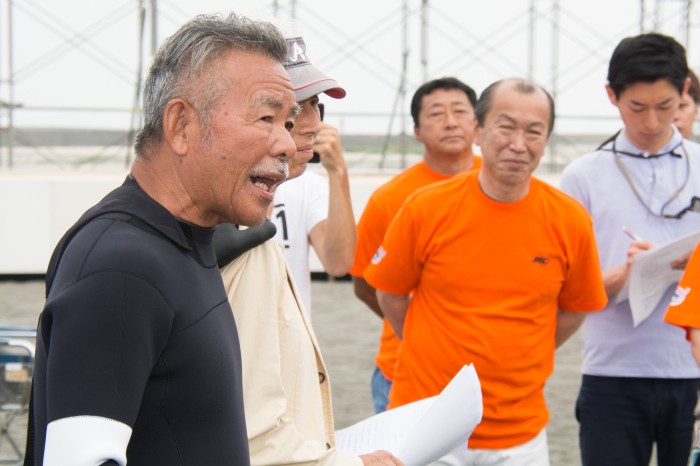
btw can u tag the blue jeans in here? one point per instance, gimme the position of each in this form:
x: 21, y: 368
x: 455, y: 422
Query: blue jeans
x: 622, y: 417
x: 380, y: 391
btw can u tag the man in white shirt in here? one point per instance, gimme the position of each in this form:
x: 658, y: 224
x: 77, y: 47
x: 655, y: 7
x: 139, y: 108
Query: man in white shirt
x: 639, y: 382
x: 311, y: 209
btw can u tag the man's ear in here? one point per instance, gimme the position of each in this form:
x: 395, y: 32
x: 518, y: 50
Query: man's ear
x: 477, y: 135
x: 686, y: 86
x: 611, y: 94
x: 177, y: 125
x: 416, y: 133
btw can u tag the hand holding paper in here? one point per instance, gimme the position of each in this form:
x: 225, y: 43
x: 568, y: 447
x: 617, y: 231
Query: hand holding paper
x: 622, y: 272
x: 681, y: 262
x: 652, y: 273
x: 421, y: 432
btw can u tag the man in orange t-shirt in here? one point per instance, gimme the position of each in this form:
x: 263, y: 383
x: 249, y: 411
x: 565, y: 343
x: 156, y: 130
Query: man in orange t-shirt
x: 494, y: 268
x: 444, y: 122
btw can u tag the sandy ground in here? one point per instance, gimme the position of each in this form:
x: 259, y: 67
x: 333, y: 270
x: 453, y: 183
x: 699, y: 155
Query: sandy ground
x: 348, y: 334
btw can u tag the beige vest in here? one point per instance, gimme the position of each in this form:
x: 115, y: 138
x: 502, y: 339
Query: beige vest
x: 286, y: 388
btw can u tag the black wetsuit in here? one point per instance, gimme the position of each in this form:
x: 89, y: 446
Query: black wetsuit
x: 137, y: 328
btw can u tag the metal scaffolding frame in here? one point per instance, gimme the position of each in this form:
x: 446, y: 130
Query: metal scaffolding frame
x: 541, y: 14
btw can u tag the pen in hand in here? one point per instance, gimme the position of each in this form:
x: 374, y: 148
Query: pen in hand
x: 632, y: 234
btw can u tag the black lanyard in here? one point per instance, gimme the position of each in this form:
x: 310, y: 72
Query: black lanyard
x: 618, y: 155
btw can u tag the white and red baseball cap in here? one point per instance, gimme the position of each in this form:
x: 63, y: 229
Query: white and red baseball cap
x: 307, y: 80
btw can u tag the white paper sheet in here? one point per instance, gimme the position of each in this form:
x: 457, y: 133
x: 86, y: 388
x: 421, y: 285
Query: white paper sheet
x: 651, y: 275
x: 421, y: 432
x: 623, y: 294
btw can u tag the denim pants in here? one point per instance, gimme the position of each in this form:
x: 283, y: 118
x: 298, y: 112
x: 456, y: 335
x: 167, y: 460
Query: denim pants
x: 380, y: 391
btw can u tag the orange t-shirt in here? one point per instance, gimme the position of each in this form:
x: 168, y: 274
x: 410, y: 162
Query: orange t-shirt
x: 487, y: 278
x: 683, y: 309
x: 380, y: 210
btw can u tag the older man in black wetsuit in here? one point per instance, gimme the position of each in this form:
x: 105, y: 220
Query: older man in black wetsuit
x: 138, y: 359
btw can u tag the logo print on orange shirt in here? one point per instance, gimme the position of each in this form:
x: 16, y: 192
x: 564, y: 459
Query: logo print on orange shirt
x: 379, y: 255
x: 679, y: 296
x: 540, y: 260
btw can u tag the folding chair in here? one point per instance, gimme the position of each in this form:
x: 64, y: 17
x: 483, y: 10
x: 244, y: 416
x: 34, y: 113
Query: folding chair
x: 16, y: 369
x: 18, y: 331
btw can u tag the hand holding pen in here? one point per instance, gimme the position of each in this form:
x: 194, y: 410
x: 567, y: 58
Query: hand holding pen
x: 638, y: 245
x: 632, y: 234
x: 678, y: 264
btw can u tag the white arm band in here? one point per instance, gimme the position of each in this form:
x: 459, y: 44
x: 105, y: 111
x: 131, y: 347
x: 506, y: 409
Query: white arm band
x: 86, y: 441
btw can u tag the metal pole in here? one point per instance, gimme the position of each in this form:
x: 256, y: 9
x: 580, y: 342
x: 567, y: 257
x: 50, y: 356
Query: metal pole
x: 555, y: 48
x: 424, y: 39
x: 531, y: 44
x: 294, y: 9
x: 399, y: 100
x: 2, y: 104
x: 657, y: 16
x: 688, y: 24
x: 402, y: 91
x: 387, y: 137
x: 555, y: 73
x: 642, y: 15
x: 11, y: 88
x: 154, y: 27
x: 136, y: 116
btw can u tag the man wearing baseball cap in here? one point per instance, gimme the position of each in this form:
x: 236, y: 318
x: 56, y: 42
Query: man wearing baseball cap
x: 313, y: 209
x: 286, y: 389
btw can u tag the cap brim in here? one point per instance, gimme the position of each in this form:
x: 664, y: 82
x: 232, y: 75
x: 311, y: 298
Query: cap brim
x: 327, y: 86
x: 308, y: 81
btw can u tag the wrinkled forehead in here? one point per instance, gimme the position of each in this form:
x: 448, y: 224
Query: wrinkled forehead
x: 445, y: 96
x: 258, y: 79
x: 531, y: 106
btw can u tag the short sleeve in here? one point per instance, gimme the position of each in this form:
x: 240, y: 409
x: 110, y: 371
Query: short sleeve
x: 684, y: 309
x: 116, y: 325
x: 396, y: 265
x: 370, y: 233
x: 583, y: 288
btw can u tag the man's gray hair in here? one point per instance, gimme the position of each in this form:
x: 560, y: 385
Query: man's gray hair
x: 184, y: 55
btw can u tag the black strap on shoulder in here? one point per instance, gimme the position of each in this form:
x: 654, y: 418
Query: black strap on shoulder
x: 230, y: 242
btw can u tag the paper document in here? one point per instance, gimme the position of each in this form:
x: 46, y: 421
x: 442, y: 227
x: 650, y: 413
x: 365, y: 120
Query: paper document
x: 421, y: 432
x: 651, y: 275
x: 623, y: 294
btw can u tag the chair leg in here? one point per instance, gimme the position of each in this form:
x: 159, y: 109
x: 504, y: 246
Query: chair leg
x: 8, y: 418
